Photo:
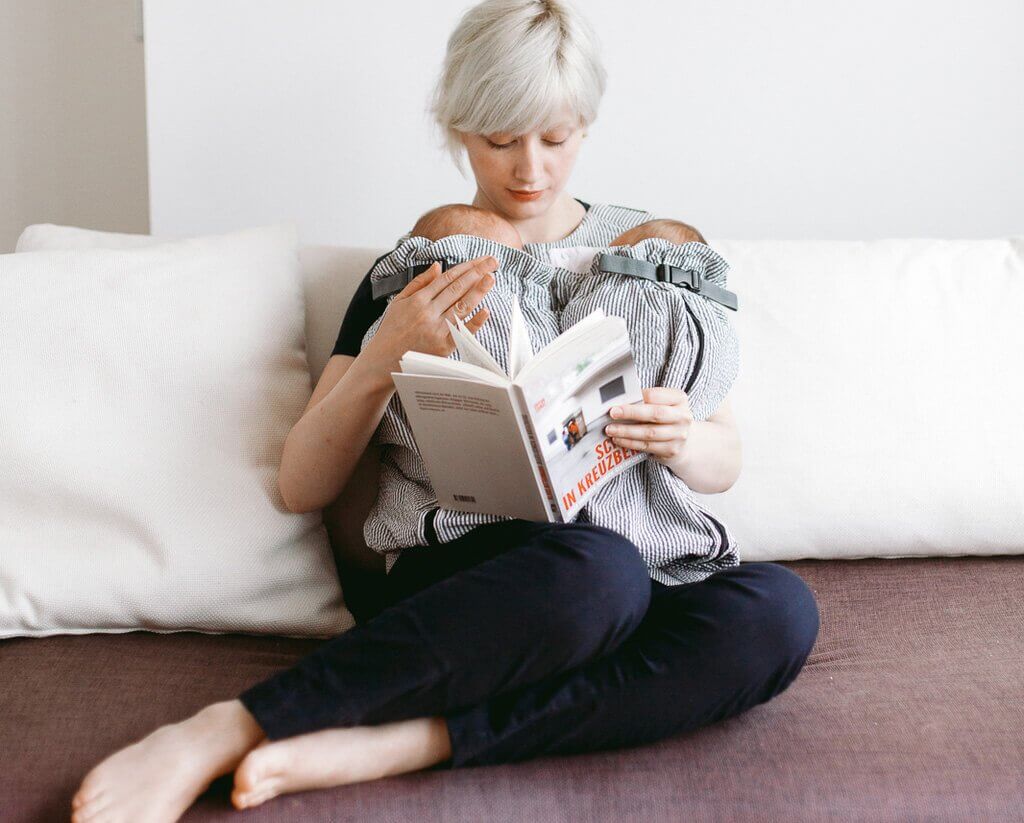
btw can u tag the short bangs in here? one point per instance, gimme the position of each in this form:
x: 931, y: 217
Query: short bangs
x: 514, y: 66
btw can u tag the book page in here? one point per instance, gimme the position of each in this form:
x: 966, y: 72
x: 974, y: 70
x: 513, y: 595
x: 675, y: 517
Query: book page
x: 417, y: 362
x: 471, y: 442
x: 520, y: 350
x: 470, y: 349
x: 568, y: 408
x: 567, y: 340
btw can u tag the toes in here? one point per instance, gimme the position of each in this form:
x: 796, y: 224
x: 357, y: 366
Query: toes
x: 86, y: 791
x: 240, y: 799
x: 89, y: 811
x: 80, y: 801
x: 257, y: 777
x: 243, y: 800
x: 87, y: 802
x: 260, y: 763
x: 246, y: 800
x: 247, y: 782
x: 247, y: 774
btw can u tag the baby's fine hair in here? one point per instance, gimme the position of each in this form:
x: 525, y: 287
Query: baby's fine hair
x: 675, y: 230
x: 459, y: 218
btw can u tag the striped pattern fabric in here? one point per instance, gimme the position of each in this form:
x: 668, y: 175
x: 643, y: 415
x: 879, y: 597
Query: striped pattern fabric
x: 679, y: 339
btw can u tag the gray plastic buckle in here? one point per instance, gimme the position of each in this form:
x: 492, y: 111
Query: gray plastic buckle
x: 689, y: 278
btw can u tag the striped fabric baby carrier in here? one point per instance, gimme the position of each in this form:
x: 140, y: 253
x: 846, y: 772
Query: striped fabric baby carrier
x: 675, y: 304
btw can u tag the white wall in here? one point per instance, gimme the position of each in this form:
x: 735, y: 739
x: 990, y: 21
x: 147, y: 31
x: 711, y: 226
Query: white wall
x: 72, y: 116
x: 783, y: 119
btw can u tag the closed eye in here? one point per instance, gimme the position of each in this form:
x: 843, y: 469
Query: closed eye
x: 507, y: 145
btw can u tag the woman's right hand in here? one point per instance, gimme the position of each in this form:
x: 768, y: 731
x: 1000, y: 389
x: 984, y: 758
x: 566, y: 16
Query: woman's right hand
x: 414, y: 319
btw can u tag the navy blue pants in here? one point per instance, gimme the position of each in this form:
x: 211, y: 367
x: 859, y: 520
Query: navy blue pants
x: 537, y: 638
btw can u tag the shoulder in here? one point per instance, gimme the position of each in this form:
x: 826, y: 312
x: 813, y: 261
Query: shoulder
x: 623, y: 217
x: 364, y: 292
x: 361, y: 313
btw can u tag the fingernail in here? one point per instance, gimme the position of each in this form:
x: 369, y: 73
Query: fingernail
x: 616, y: 411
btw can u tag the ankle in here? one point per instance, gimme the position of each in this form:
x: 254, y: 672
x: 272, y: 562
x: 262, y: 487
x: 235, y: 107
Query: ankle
x: 414, y: 744
x: 229, y: 730
x: 233, y: 717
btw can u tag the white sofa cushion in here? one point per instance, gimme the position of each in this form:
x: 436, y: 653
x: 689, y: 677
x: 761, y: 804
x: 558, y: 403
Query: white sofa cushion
x: 330, y: 276
x: 879, y: 398
x: 876, y: 400
x: 147, y: 395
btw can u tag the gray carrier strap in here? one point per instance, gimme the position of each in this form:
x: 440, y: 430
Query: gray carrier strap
x: 665, y: 273
x: 398, y: 281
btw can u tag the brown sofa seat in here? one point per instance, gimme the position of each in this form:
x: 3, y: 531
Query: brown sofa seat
x: 911, y: 706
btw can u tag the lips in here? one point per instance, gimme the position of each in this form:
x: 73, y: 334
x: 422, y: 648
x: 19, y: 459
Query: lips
x: 526, y: 195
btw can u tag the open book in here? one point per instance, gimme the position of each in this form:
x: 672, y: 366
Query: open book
x: 530, y: 443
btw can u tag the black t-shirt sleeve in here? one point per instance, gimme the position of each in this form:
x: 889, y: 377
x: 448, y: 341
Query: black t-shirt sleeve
x: 362, y: 311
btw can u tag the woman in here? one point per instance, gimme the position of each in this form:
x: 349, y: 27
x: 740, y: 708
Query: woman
x: 508, y: 639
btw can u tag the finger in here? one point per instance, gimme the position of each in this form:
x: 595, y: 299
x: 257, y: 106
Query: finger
x: 654, y: 433
x: 470, y: 300
x: 459, y: 296
x: 448, y: 279
x: 654, y: 448
x: 459, y: 309
x: 477, y: 320
x: 655, y: 412
x: 420, y: 280
x: 666, y: 395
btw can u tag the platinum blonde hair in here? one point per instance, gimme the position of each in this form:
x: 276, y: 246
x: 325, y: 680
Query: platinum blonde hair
x: 511, y: 65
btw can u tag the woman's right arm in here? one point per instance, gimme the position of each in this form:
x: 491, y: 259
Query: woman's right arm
x: 323, y: 448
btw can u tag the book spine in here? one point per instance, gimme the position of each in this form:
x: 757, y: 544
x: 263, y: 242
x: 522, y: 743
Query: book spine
x: 554, y: 513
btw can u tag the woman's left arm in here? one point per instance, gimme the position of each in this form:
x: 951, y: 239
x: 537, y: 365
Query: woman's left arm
x: 704, y: 454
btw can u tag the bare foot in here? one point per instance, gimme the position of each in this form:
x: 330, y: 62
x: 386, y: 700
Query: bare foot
x: 336, y: 757
x: 157, y: 778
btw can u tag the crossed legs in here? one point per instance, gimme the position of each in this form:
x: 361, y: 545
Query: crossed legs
x: 478, y: 687
x: 345, y: 714
x: 160, y: 776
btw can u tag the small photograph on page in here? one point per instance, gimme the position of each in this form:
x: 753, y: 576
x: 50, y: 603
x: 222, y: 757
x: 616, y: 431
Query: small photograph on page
x: 574, y: 427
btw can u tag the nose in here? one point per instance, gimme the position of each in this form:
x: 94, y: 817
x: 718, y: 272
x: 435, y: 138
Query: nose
x: 528, y: 164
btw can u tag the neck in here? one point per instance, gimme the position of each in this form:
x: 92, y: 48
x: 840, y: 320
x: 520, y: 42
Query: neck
x: 554, y: 224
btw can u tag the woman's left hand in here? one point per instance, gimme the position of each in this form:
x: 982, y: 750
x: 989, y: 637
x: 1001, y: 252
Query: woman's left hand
x: 666, y: 420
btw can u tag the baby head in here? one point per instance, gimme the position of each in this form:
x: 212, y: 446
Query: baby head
x: 458, y: 218
x: 675, y: 231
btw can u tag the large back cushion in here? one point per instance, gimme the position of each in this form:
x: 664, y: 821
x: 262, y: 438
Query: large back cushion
x: 148, y: 390
x: 878, y: 399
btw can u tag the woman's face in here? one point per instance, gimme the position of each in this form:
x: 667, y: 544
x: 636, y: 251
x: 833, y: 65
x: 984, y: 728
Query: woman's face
x: 540, y: 161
